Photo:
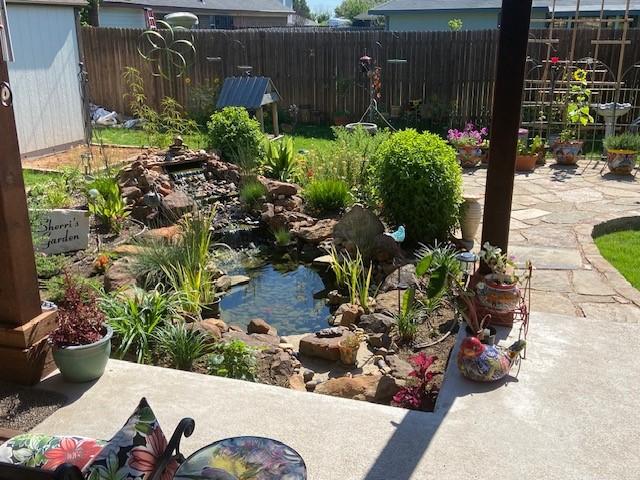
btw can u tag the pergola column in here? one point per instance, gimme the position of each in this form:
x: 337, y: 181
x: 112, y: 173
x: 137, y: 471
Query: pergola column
x: 507, y: 103
x: 23, y: 327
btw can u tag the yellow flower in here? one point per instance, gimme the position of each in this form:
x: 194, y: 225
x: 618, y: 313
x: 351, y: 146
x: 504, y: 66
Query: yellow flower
x: 233, y: 465
x: 580, y: 75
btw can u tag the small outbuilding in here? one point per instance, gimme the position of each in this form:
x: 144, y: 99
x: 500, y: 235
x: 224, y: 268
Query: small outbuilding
x: 254, y: 94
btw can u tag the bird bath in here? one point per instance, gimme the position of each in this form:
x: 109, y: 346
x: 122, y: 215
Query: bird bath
x: 611, y: 112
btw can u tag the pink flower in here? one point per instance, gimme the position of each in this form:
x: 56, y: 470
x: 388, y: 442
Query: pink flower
x: 145, y: 458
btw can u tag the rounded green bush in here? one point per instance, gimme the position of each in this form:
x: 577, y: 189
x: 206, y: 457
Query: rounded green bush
x: 419, y: 182
x: 327, y: 195
x: 233, y: 131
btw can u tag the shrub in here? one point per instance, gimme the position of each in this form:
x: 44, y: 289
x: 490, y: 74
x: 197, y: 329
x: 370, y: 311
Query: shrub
x: 55, y: 287
x: 327, y: 195
x: 233, y: 360
x: 232, y: 127
x: 50, y: 265
x: 624, y: 141
x: 135, y: 318
x: 106, y: 202
x: 420, y: 184
x: 252, y: 193
x: 280, y: 161
x: 181, y: 345
x: 80, y: 322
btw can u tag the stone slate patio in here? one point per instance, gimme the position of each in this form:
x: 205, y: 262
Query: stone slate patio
x: 553, y: 215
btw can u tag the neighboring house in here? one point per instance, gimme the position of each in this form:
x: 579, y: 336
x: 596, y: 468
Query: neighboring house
x: 223, y: 14
x: 434, y: 15
x: 44, y: 76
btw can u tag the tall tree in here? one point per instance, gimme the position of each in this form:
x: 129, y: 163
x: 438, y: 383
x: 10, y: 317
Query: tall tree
x: 352, y: 8
x: 301, y: 8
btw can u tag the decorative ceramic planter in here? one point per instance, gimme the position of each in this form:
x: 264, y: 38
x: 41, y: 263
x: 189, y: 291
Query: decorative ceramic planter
x: 541, y: 157
x: 496, y: 296
x: 83, y: 363
x: 469, y: 156
x: 484, y: 157
x: 526, y: 163
x: 621, y: 162
x: 471, y: 215
x: 211, y: 310
x: 566, y: 153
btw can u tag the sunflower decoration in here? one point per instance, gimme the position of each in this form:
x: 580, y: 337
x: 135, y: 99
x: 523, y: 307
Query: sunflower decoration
x: 580, y: 75
x: 168, y: 49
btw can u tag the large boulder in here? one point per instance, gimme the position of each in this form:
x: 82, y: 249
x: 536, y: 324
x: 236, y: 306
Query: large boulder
x: 371, y: 388
x: 385, y: 249
x: 389, y: 302
x: 177, y: 203
x: 258, y: 325
x: 327, y: 348
x: 402, y: 278
x: 119, y: 275
x: 399, y: 367
x: 349, y: 314
x: 171, y: 233
x: 359, y: 226
x: 275, y: 188
x: 256, y: 340
x: 209, y: 328
x: 376, y: 323
x: 315, y: 234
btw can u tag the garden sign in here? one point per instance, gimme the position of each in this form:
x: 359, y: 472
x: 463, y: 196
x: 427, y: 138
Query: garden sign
x: 61, y: 231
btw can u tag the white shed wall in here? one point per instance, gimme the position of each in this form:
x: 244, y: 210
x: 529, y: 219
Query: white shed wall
x: 121, y: 17
x: 44, y: 77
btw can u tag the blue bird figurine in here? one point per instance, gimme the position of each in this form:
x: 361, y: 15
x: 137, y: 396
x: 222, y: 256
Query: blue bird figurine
x: 399, y: 235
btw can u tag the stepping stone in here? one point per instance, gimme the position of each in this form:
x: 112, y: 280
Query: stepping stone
x: 580, y: 195
x: 588, y: 282
x: 546, y: 258
x: 529, y: 213
x: 548, y: 302
x: 517, y: 225
x: 568, y: 217
x: 612, y: 311
x: 555, y: 281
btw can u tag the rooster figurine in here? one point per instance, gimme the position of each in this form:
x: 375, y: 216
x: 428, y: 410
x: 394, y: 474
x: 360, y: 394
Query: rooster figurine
x: 486, y: 363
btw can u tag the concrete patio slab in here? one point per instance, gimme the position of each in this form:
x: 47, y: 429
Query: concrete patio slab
x: 546, y: 258
x: 571, y: 414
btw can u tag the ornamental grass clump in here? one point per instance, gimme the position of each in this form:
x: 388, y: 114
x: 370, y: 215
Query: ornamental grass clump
x: 419, y: 181
x: 327, y: 195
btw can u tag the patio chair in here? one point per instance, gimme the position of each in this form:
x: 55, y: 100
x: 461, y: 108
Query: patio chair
x: 139, y: 447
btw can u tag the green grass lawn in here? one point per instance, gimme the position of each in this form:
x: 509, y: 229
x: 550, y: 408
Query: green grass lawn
x: 307, y: 137
x: 32, y: 178
x: 622, y: 250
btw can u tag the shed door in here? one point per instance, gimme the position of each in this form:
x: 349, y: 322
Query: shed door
x: 44, y: 77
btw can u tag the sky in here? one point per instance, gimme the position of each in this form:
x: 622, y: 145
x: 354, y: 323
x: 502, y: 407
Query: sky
x: 323, y: 5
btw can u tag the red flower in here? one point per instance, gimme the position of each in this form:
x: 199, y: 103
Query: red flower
x: 555, y: 60
x: 144, y: 458
x: 73, y: 452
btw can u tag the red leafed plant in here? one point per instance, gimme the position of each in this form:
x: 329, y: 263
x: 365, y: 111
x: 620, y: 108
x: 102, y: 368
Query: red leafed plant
x: 415, y: 394
x: 80, y: 321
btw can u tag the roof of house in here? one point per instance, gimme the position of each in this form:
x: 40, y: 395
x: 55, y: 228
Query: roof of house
x: 261, y: 6
x: 72, y: 3
x: 248, y: 92
x: 418, y: 6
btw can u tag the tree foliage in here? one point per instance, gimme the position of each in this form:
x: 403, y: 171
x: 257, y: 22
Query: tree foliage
x: 301, y: 8
x: 352, y: 8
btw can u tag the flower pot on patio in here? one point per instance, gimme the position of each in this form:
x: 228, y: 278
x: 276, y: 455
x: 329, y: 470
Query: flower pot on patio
x: 498, y: 293
x: 566, y: 153
x: 83, y: 363
x: 621, y: 162
x: 541, y: 157
x: 469, y: 156
x: 526, y: 163
x: 471, y: 215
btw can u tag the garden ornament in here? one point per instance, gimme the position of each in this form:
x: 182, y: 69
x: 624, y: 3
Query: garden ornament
x: 399, y: 235
x: 487, y: 363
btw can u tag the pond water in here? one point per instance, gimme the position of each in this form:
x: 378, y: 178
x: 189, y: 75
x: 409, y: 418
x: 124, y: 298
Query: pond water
x: 287, y: 294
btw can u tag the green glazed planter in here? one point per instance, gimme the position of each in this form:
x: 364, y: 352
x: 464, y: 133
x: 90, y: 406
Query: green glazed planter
x: 84, y: 363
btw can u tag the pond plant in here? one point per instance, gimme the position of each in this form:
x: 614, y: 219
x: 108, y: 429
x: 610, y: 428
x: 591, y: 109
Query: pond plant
x: 280, y: 160
x: 252, y: 194
x: 325, y: 196
x: 181, y: 345
x: 233, y: 360
x: 105, y: 201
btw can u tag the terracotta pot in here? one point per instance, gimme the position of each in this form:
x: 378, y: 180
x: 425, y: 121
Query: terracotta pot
x: 471, y: 215
x: 498, y: 296
x: 621, y: 162
x: 349, y: 354
x: 566, y: 153
x: 469, y: 156
x: 526, y: 163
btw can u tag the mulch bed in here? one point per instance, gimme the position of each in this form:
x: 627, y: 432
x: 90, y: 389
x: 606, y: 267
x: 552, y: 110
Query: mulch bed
x: 22, y: 408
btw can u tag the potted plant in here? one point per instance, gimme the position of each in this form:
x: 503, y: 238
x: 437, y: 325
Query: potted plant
x: 81, y: 342
x: 498, y: 291
x: 622, y: 152
x: 527, y: 156
x: 476, y: 326
x: 576, y: 115
x: 349, y: 347
x: 484, y: 148
x: 539, y: 146
x: 468, y: 142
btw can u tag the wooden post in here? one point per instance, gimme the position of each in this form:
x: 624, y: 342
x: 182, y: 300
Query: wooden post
x: 274, y: 119
x: 23, y: 326
x: 507, y: 102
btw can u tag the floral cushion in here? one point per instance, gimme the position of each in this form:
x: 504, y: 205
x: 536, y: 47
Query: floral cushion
x: 133, y: 452
x: 49, y: 452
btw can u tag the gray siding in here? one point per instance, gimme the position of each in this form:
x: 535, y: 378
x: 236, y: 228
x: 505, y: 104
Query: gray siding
x: 439, y: 20
x: 121, y: 17
x: 44, y: 76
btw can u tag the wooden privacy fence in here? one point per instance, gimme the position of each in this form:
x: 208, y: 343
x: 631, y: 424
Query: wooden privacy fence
x: 451, y: 72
